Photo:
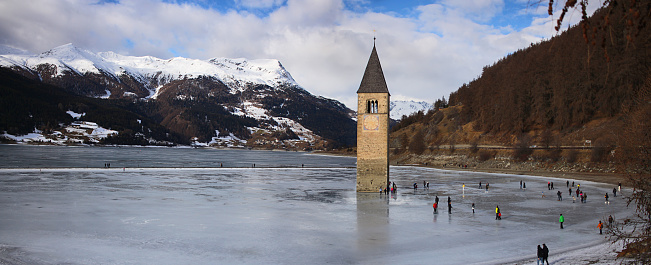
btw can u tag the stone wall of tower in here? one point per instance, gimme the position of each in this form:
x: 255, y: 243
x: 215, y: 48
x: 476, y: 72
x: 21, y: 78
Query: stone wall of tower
x: 372, y: 143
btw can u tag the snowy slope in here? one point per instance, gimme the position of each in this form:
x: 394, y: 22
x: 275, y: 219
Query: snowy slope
x: 230, y: 71
x: 259, y: 89
x: 398, y: 108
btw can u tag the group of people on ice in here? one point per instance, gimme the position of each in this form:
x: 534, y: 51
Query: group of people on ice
x: 543, y: 252
x: 436, y: 205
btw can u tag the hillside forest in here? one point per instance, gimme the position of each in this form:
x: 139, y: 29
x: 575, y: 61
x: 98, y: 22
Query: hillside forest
x: 568, y: 99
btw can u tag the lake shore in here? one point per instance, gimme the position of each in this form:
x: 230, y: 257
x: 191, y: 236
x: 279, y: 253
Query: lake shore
x: 568, y: 171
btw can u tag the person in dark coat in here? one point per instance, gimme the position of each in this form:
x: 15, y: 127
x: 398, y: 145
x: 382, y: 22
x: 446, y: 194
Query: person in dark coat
x: 539, y: 255
x: 600, y: 226
x: 449, y: 205
x: 545, y: 254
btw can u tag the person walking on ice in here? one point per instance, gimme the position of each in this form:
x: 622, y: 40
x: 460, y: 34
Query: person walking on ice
x: 601, y: 226
x: 614, y: 192
x: 606, y: 196
x: 560, y: 197
x: 561, y: 220
x: 539, y: 252
x: 435, y: 205
x: 449, y: 205
x: 473, y: 207
x: 498, y: 214
x: 545, y: 254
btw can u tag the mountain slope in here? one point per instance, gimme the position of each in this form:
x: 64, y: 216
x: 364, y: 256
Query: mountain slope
x: 210, y: 101
x: 562, y: 91
x: 27, y: 105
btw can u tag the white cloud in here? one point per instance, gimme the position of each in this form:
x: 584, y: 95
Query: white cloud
x: 323, y: 45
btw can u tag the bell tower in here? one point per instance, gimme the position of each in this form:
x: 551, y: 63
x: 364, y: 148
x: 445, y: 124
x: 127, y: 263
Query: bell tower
x: 373, y: 128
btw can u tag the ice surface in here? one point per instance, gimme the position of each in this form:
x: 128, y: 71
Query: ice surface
x: 288, y: 216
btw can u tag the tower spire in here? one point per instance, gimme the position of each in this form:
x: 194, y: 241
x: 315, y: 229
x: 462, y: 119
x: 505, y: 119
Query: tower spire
x: 374, y: 38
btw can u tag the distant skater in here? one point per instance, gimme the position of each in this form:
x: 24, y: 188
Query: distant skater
x: 614, y: 192
x: 606, y: 196
x: 480, y: 184
x: 560, y: 197
x: 520, y: 184
x: 552, y: 185
x: 610, y: 221
x: 486, y: 186
x: 524, y: 185
x: 473, y: 207
x: 561, y: 220
x: 619, y: 186
x: 568, y: 184
x: 600, y: 225
x: 435, y: 206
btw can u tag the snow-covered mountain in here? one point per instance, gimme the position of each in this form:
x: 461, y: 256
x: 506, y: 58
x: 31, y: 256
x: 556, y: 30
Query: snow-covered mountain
x: 258, y: 99
x: 151, y: 72
x: 398, y: 108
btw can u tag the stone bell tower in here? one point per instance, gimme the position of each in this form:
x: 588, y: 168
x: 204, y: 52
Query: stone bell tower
x: 373, y: 128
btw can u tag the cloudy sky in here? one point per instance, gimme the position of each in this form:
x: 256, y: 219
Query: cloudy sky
x: 428, y: 48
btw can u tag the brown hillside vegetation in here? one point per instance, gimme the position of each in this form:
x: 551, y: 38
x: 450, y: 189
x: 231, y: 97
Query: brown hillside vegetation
x: 560, y: 84
x: 558, y: 100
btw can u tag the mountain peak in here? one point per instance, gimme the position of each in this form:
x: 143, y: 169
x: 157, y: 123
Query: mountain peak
x: 398, y: 108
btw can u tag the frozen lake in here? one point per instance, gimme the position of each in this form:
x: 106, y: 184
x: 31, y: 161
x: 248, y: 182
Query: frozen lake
x: 69, y: 214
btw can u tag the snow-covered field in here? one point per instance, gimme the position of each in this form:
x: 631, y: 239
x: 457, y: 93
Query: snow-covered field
x: 292, y: 216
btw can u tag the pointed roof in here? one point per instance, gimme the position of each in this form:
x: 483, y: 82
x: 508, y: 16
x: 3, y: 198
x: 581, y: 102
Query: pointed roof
x: 373, y: 80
